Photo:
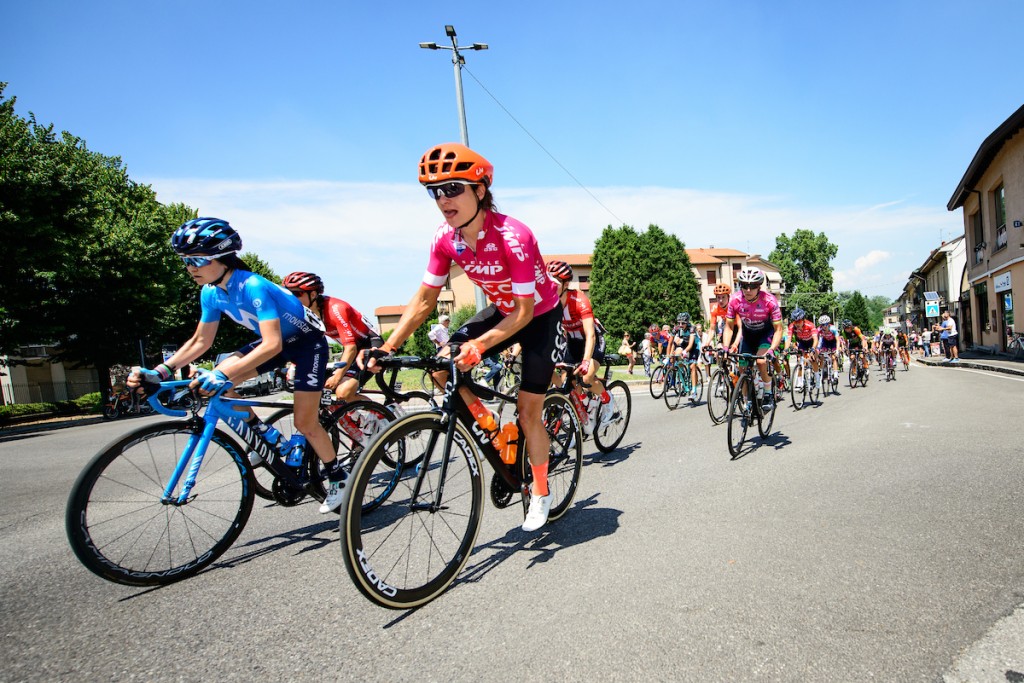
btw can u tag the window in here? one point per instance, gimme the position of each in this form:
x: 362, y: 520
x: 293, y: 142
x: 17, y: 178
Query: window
x: 583, y: 278
x: 712, y: 277
x: 999, y: 198
x: 737, y: 266
x: 978, y: 231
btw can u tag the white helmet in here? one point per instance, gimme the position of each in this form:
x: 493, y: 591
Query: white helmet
x: 824, y: 320
x: 750, y: 276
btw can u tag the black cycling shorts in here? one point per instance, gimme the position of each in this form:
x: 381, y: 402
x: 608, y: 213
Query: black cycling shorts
x: 353, y: 370
x: 310, y: 355
x: 543, y: 344
x: 574, y: 350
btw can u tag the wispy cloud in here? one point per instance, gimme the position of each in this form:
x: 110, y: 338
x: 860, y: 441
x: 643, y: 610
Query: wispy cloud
x: 369, y: 240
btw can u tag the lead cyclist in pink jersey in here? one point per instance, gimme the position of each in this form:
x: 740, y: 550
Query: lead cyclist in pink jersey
x: 759, y: 315
x: 501, y: 255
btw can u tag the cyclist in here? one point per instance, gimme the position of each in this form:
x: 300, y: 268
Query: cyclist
x: 287, y: 332
x: 828, y: 340
x: 501, y: 255
x: 584, y: 335
x: 804, y: 335
x: 853, y: 337
x: 903, y: 344
x: 342, y: 323
x: 760, y: 319
x: 718, y: 310
x: 685, y: 343
x: 887, y: 345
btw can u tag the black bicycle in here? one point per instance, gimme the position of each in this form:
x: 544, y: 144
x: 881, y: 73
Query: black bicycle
x: 858, y: 372
x: 746, y: 405
x: 408, y: 550
x: 607, y: 423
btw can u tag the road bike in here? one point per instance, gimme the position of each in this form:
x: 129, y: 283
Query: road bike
x: 830, y: 373
x: 607, y: 433
x: 162, y: 502
x: 804, y: 383
x: 408, y: 550
x: 656, y: 384
x: 890, y: 364
x: 679, y: 383
x: 720, y: 387
x: 748, y: 404
x: 858, y: 373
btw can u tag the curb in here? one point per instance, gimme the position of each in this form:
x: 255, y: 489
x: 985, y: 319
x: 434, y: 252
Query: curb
x: 972, y: 365
x: 11, y: 430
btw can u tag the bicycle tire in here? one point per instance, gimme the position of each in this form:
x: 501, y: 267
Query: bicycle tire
x: 852, y: 375
x: 565, y: 463
x: 697, y: 388
x: 814, y: 393
x: 262, y: 478
x: 765, y: 419
x: 427, y: 385
x: 798, y: 396
x: 608, y: 437
x: 111, y: 412
x: 674, y: 388
x: 121, y: 531
x: 397, y: 556
x: 366, y: 415
x: 656, y: 384
x: 718, y: 396
x: 739, y: 415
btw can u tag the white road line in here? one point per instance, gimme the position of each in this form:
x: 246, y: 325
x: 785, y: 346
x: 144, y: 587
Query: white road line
x: 987, y: 373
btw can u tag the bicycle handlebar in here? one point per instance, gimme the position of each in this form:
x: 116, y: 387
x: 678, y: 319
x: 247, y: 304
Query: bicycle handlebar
x: 154, y: 398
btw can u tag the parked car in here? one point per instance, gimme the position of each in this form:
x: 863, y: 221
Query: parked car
x: 260, y: 385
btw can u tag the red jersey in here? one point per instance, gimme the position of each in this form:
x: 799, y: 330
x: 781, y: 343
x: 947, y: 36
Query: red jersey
x: 576, y: 309
x: 804, y: 330
x: 345, y: 324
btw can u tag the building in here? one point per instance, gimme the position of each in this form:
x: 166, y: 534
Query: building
x: 939, y: 284
x: 991, y: 194
x: 34, y: 377
x: 710, y: 266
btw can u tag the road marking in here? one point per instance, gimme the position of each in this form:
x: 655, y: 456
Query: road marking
x: 987, y: 373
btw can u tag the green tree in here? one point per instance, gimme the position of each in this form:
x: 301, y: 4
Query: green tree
x: 88, y: 267
x: 804, y: 262
x: 856, y: 310
x: 640, y: 278
x: 876, y: 310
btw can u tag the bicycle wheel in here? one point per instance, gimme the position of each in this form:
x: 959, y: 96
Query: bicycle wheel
x: 608, y: 435
x: 565, y: 462
x: 814, y: 392
x: 718, y: 396
x: 674, y: 388
x: 657, y: 382
x: 413, y: 402
x: 853, y: 375
x: 697, y: 387
x: 766, y: 415
x: 408, y: 550
x: 739, y: 415
x: 120, y: 529
x: 352, y: 428
x: 509, y: 384
x: 262, y: 478
x: 798, y: 387
x: 426, y: 384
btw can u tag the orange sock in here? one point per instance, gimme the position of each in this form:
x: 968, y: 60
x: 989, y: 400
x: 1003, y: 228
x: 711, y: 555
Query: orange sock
x: 540, y: 478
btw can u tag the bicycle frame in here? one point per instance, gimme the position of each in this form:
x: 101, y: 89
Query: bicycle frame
x: 232, y: 411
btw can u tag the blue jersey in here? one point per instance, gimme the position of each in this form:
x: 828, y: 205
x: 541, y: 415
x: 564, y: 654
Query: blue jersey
x: 251, y: 298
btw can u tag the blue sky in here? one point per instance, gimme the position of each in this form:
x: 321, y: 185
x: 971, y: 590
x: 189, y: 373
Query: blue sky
x: 724, y: 123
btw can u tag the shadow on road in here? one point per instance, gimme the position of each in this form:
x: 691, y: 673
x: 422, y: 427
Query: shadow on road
x: 619, y: 455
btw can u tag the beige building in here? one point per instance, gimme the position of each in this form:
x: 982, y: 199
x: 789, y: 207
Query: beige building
x: 710, y: 266
x: 991, y: 193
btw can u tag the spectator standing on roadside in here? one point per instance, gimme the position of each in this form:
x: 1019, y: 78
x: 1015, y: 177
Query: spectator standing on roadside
x: 626, y: 349
x: 951, y: 340
x: 645, y: 353
x: 439, y: 332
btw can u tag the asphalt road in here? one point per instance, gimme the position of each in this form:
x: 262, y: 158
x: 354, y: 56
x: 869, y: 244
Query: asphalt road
x: 875, y: 537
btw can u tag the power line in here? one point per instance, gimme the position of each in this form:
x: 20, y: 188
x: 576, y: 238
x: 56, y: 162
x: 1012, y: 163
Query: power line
x: 538, y: 143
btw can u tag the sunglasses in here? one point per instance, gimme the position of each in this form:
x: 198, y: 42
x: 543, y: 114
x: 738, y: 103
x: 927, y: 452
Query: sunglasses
x: 197, y: 261
x: 448, y: 190
x: 750, y: 286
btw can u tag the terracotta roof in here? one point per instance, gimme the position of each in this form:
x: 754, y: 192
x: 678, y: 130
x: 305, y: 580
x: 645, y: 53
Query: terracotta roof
x: 571, y: 259
x: 702, y: 257
x: 389, y: 310
x: 726, y: 253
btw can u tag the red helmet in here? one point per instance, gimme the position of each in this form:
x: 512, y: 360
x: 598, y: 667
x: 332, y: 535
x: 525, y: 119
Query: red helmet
x: 452, y: 161
x: 304, y: 282
x: 560, y: 270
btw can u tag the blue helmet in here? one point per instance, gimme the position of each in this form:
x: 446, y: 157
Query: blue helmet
x: 206, y: 236
x: 798, y: 314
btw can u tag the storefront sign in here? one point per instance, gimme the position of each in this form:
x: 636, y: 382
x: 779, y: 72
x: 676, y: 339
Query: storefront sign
x: 1002, y: 282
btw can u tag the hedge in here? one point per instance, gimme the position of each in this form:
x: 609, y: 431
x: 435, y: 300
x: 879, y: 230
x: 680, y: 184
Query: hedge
x: 90, y: 403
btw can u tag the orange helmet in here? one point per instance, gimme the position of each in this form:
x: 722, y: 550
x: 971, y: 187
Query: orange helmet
x: 722, y: 288
x: 452, y: 161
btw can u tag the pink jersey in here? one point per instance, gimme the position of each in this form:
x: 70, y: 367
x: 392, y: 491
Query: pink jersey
x: 755, y: 315
x: 507, y: 263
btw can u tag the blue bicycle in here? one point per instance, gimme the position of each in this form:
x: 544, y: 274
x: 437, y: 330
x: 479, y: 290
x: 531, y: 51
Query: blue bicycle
x: 164, y: 501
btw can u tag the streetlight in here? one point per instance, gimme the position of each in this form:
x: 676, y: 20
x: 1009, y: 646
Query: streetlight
x: 457, y: 61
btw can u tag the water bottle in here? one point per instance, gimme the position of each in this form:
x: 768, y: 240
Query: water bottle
x: 294, y: 449
x: 510, y: 442
x: 270, y: 435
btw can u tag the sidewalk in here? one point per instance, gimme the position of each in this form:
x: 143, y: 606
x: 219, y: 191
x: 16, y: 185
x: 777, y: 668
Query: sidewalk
x: 978, y: 361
